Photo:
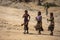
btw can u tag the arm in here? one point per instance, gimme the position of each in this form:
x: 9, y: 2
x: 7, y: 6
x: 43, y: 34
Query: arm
x: 23, y: 16
x: 24, y: 24
x: 29, y: 17
x: 36, y: 18
x: 51, y: 19
x: 48, y: 19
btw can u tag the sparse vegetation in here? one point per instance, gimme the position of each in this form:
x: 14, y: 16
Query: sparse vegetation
x: 11, y: 12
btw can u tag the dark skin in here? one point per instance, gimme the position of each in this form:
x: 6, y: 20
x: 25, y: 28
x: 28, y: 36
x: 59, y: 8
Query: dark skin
x: 51, y: 19
x: 26, y: 17
x: 51, y: 22
x: 39, y: 23
x: 46, y: 7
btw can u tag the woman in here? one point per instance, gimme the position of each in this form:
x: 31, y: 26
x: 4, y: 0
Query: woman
x: 26, y: 17
x: 47, y: 7
x: 51, y: 26
x: 38, y: 27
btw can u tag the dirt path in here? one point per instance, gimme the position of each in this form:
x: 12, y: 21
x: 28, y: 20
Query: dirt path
x: 10, y: 29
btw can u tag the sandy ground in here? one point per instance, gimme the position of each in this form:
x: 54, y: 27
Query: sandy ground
x: 11, y: 19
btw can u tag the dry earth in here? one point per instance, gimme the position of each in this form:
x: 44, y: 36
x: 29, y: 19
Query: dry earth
x: 11, y: 19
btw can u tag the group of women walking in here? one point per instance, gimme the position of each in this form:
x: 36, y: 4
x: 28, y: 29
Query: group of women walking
x: 38, y: 26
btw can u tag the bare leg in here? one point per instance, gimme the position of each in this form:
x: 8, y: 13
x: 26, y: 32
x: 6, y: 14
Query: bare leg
x: 39, y: 31
x: 51, y: 33
x: 27, y: 31
x: 24, y: 31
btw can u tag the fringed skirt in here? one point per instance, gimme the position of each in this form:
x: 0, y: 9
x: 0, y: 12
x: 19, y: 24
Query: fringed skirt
x: 51, y: 28
x: 39, y: 27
